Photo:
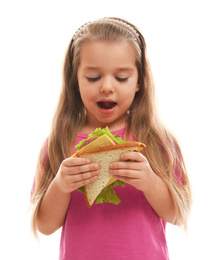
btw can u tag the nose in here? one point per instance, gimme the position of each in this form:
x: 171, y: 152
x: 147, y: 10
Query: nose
x: 107, y: 85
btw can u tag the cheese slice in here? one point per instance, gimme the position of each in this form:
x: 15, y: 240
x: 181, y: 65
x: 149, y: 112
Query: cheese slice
x: 101, y: 141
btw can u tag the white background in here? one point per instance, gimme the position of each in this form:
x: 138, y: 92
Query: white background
x: 183, y: 43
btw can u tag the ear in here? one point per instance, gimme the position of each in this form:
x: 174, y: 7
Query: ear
x: 137, y: 88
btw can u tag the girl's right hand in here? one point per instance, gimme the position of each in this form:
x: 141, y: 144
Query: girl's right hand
x: 75, y: 173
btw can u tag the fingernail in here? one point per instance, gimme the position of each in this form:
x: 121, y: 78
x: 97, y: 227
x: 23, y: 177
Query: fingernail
x: 96, y: 166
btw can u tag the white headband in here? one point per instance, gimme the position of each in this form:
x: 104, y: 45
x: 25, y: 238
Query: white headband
x: 110, y: 20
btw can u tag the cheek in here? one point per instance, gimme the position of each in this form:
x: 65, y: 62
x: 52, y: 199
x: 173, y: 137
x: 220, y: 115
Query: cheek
x: 87, y: 95
x: 83, y: 94
x: 82, y: 87
x: 127, y: 99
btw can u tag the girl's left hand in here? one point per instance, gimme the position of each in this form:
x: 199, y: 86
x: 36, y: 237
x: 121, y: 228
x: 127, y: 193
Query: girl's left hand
x: 133, y: 169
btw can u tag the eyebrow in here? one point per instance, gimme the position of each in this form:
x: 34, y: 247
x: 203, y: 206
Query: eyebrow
x: 118, y: 69
x: 91, y: 68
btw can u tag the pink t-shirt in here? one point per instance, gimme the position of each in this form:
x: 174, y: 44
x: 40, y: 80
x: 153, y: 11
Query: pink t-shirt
x: 130, y: 230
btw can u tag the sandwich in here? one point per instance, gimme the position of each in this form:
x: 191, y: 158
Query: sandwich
x: 103, y: 148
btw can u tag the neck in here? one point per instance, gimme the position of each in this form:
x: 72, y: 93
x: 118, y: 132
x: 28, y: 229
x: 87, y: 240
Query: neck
x: 87, y: 129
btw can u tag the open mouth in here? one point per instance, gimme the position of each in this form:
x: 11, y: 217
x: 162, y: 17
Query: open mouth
x: 107, y: 105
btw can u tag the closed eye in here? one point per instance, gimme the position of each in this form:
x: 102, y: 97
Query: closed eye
x: 121, y: 79
x: 93, y: 79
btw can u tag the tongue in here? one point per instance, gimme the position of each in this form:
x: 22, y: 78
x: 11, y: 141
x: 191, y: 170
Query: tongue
x: 106, y: 105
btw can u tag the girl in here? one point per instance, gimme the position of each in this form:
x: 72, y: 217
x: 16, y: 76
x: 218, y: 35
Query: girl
x: 107, y: 81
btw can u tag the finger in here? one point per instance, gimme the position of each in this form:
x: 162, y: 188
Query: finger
x: 131, y: 181
x: 127, y: 165
x: 84, y: 176
x: 81, y: 169
x: 74, y: 161
x: 124, y: 173
x: 82, y: 183
x: 125, y: 179
x: 133, y: 156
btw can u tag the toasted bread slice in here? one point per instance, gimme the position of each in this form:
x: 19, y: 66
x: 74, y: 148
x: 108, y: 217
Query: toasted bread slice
x: 104, y: 156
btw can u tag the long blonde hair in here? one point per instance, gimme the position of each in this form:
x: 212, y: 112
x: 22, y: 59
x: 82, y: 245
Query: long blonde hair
x: 162, y: 149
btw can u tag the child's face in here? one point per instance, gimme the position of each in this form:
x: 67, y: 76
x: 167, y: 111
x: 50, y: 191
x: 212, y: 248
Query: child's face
x: 108, y: 81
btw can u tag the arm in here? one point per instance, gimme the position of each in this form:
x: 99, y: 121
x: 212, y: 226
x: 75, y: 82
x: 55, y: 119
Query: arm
x: 138, y: 173
x: 73, y: 173
x: 160, y: 198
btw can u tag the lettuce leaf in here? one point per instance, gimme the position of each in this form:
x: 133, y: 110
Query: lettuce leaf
x: 109, y: 195
x: 100, y: 132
